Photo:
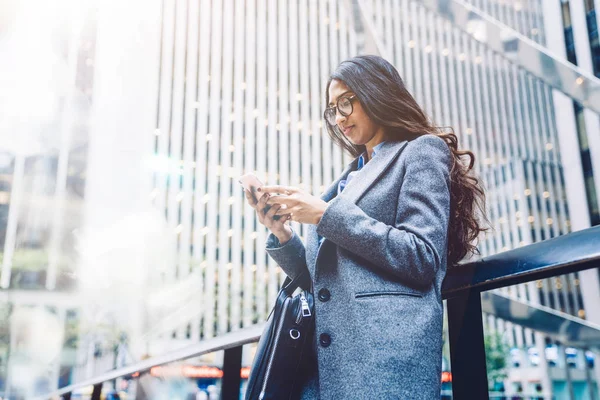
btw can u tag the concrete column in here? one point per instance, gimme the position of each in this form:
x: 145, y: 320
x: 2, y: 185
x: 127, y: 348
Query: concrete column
x: 562, y: 356
x: 566, y: 126
x: 568, y: 140
x: 54, y: 375
x: 543, y: 366
x: 596, y: 371
x: 569, y: 146
x: 13, y: 215
x: 584, y: 61
x: 589, y: 379
x: 118, y: 216
x: 590, y: 284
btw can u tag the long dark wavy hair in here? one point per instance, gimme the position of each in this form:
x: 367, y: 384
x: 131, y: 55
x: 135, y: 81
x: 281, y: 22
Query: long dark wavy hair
x: 384, y: 97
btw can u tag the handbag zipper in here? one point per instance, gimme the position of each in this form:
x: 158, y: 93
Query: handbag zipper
x: 305, y: 307
x: 279, y: 326
x: 304, y: 310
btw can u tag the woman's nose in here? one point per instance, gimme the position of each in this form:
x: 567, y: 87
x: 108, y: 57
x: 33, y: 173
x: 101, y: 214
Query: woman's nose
x: 339, y: 117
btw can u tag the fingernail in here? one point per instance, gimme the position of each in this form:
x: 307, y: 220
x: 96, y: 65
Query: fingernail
x: 259, y: 189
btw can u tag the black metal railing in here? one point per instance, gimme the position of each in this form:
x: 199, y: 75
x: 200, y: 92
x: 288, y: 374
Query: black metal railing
x: 462, y: 289
x: 463, y: 285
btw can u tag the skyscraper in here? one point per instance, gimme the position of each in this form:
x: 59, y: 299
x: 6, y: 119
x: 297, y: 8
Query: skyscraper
x: 177, y: 98
x: 267, y: 63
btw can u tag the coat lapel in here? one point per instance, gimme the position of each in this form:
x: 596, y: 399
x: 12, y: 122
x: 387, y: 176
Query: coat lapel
x: 372, y: 170
x: 353, y: 191
x: 312, y: 239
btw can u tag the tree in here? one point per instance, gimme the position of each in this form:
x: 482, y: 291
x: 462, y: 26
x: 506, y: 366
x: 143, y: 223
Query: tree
x: 496, y: 354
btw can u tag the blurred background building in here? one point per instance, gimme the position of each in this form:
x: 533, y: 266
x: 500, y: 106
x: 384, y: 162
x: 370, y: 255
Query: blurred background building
x: 123, y: 129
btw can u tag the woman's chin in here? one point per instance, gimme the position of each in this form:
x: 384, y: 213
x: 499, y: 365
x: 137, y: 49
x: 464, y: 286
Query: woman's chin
x: 354, y: 141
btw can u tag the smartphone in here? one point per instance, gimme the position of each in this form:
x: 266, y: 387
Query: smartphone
x: 251, y: 183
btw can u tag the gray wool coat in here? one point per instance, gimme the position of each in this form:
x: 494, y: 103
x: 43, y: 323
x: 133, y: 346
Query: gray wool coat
x: 378, y: 276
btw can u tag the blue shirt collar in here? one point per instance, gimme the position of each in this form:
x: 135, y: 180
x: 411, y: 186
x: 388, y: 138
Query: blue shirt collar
x: 361, y: 159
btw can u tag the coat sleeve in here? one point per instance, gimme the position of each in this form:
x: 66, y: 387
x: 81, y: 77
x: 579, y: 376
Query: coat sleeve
x: 415, y: 247
x: 291, y: 256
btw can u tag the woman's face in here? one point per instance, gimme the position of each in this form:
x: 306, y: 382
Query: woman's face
x: 357, y: 127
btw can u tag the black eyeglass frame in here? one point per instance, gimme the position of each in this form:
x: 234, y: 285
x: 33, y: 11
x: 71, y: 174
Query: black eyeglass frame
x: 351, y: 98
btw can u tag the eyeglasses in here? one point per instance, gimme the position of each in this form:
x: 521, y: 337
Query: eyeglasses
x: 344, y: 106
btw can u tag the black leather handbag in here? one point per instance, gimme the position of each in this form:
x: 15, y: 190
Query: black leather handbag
x: 281, y: 354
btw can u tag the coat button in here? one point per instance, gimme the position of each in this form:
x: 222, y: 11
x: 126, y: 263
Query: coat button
x: 325, y: 339
x: 324, y: 295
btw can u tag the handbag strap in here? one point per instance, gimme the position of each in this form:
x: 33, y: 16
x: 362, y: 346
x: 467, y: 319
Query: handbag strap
x: 302, y: 280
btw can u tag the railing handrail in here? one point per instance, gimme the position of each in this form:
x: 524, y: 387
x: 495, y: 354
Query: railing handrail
x: 222, y: 342
x: 568, y: 253
x: 577, y: 251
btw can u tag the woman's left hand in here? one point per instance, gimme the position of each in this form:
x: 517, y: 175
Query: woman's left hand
x: 302, y: 207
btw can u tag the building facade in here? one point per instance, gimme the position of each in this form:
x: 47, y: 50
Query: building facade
x: 269, y: 73
x: 183, y: 97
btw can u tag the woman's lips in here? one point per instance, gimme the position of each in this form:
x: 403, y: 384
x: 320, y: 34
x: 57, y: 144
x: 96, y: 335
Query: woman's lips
x: 347, y: 129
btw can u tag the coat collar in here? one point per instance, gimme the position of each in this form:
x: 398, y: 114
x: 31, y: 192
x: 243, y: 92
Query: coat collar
x: 356, y: 188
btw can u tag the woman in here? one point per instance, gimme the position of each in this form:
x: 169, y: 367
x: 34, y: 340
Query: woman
x: 379, y: 239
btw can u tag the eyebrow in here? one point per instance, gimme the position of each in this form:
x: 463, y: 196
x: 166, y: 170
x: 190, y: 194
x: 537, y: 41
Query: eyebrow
x: 331, y: 102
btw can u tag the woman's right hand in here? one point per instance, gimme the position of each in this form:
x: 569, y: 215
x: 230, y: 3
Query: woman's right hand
x: 279, y: 227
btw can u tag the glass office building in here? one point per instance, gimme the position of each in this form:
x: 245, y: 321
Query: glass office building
x: 123, y: 226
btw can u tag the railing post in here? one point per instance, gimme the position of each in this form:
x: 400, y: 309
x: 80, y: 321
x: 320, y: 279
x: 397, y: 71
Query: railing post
x: 96, y: 392
x: 467, y: 349
x: 143, y: 386
x: 232, y: 366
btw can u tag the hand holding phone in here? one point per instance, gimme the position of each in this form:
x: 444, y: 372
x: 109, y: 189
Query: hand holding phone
x: 251, y: 183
